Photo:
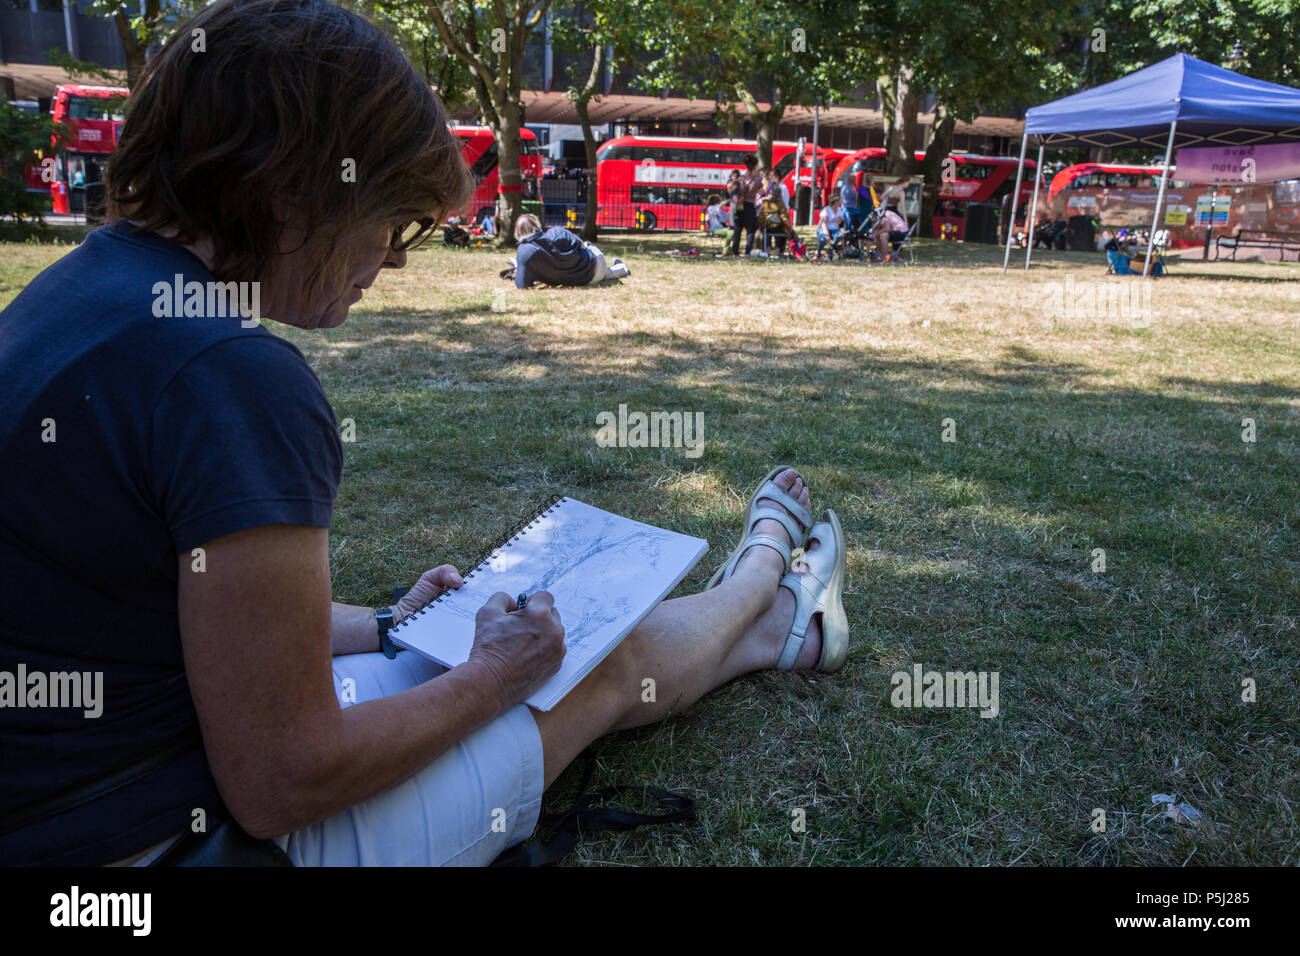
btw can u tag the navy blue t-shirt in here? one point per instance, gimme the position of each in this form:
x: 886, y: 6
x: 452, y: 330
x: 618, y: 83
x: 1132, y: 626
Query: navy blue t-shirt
x: 168, y: 432
x: 556, y: 257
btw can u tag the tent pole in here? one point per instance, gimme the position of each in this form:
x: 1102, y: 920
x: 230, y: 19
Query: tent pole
x: 1033, y: 207
x: 1015, y: 198
x: 1160, y: 198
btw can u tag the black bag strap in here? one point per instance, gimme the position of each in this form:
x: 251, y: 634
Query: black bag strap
x: 583, y: 816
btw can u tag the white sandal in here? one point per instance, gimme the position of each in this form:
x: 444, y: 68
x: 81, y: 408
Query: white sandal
x: 794, y: 517
x: 819, y: 590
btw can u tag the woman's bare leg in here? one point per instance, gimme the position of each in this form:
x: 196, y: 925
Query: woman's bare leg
x: 682, y: 650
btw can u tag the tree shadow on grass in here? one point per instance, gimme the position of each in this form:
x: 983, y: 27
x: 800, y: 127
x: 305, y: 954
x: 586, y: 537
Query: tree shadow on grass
x: 975, y: 554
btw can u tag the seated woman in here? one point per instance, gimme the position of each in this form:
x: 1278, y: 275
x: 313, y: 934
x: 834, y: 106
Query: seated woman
x: 558, y: 257
x: 717, y: 222
x: 170, y: 469
x: 1121, y: 251
x: 829, y: 225
x: 774, y: 221
x: 890, y: 227
x: 773, y: 216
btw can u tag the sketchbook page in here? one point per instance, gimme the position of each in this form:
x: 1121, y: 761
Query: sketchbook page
x: 606, y: 573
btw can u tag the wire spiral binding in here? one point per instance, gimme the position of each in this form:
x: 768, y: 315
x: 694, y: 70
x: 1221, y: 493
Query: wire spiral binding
x: 505, y: 540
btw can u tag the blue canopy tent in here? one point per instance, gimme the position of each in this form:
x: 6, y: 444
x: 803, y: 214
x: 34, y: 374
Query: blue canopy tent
x: 1181, y: 101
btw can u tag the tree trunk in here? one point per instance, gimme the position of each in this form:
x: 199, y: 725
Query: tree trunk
x: 131, y: 47
x: 765, y: 124
x: 589, y: 138
x: 899, y: 160
x: 589, y: 142
x: 939, y: 148
x: 510, y: 197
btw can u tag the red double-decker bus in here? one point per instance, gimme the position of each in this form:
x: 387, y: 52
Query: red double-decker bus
x: 1120, y: 196
x: 657, y: 182
x: 974, y: 178
x: 92, y: 119
x: 479, y: 150
x: 1124, y: 197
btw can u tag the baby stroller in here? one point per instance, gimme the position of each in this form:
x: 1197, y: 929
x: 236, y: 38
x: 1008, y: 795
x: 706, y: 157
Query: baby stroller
x: 855, y: 243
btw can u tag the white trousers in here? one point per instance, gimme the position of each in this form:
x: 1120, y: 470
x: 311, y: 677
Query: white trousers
x: 479, y: 798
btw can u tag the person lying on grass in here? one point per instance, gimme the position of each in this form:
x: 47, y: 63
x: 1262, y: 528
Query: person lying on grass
x: 174, y: 534
x: 558, y: 257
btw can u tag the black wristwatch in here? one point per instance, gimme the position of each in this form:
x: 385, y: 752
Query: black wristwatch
x: 383, y: 621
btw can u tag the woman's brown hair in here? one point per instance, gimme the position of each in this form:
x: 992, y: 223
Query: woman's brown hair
x: 295, y: 100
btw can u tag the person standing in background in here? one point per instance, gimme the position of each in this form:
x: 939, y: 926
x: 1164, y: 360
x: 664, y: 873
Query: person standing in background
x: 849, y: 200
x: 742, y: 212
x: 776, y: 187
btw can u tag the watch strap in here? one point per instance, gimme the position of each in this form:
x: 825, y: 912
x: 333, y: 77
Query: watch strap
x: 383, y: 621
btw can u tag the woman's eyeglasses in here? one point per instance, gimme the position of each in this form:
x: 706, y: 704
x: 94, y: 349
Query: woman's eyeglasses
x: 413, y: 233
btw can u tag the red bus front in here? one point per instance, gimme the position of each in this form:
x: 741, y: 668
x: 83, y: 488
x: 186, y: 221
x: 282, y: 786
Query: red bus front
x: 92, y: 117
x: 1124, y: 197
x: 479, y: 150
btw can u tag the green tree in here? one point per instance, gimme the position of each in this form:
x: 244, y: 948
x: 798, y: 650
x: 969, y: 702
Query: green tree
x: 139, y: 29
x: 1115, y: 38
x: 408, y: 23
x: 489, y: 38
x: 605, y: 32
x: 989, y: 58
x: 23, y: 134
x: 780, y: 52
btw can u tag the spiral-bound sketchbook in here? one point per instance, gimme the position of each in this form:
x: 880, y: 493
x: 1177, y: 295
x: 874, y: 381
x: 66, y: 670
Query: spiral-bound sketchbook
x: 606, y: 573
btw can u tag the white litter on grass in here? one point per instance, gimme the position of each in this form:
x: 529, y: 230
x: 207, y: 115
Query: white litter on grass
x: 1178, y: 812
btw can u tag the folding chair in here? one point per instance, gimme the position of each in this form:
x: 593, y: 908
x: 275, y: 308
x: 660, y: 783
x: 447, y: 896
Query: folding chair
x: 1159, y: 246
x: 906, y: 243
x: 771, y: 224
x: 714, y: 239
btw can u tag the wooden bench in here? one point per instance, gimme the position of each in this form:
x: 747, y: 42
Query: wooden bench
x: 1259, y: 239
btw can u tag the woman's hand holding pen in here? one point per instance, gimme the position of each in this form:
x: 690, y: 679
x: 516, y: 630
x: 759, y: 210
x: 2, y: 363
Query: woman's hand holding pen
x: 519, y: 648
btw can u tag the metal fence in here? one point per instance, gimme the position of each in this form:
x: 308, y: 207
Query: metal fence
x: 635, y: 208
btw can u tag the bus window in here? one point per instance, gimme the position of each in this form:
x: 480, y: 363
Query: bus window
x: 96, y: 108
x: 485, y: 163
x: 679, y: 154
